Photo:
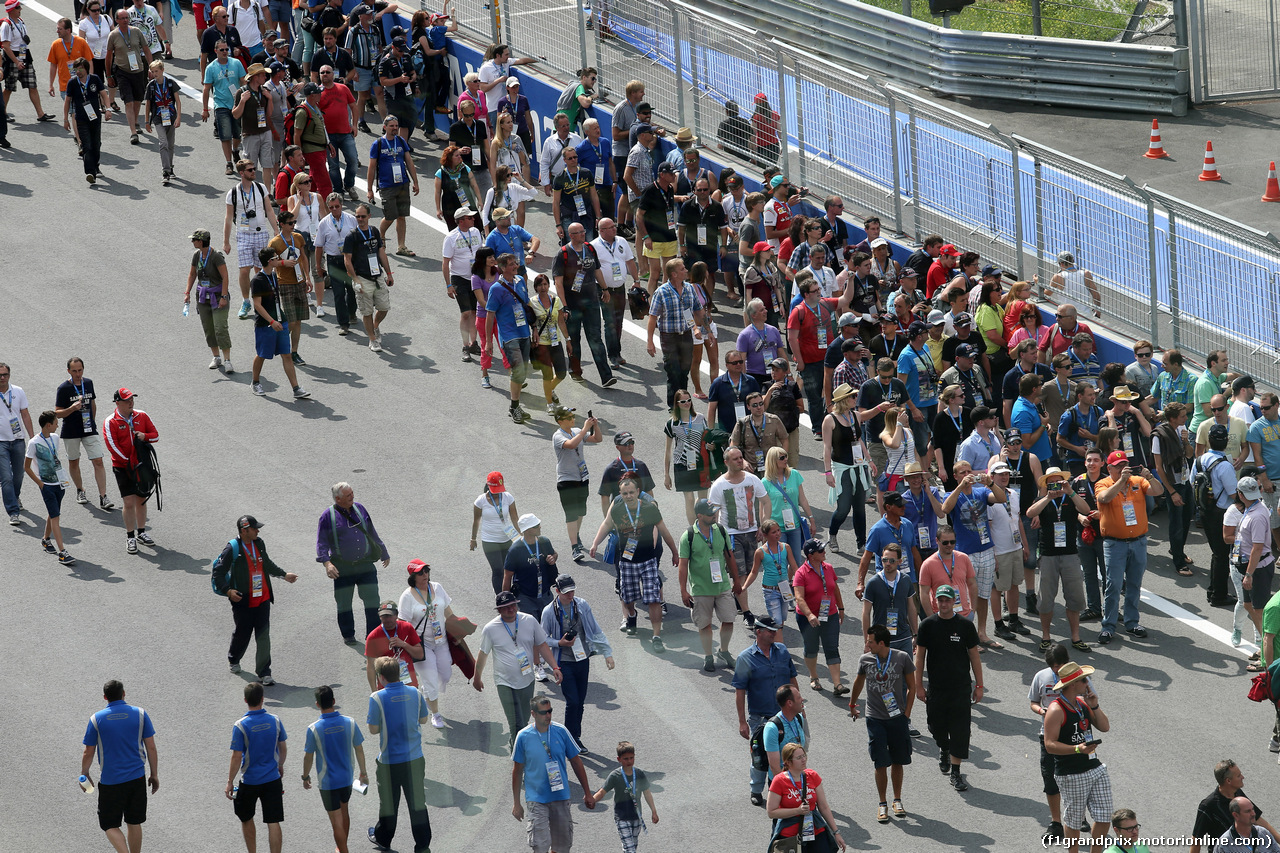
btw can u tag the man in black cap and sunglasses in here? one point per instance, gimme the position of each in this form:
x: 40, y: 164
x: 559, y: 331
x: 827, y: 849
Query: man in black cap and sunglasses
x: 243, y: 572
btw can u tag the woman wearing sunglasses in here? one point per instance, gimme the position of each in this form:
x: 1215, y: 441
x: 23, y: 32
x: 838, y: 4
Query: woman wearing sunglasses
x: 426, y: 606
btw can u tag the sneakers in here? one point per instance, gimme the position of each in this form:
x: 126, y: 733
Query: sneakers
x: 257, y: 389
x: 727, y: 658
x: 82, y: 498
x: 579, y: 378
x: 133, y: 138
x: 231, y: 169
x: 709, y: 665
x: 165, y: 179
x: 579, y: 553
x: 47, y: 545
x: 375, y: 345
x: 90, y: 178
x: 343, y: 331
x: 1106, y: 637
x: 15, y: 520
x: 485, y: 383
x: 629, y: 626
x: 1274, y: 745
x: 297, y: 359
x: 1032, y: 608
x: 474, y: 348
x: 105, y: 502
x: 300, y: 393
x: 958, y: 782
x: 320, y: 312
x: 466, y: 355
x: 227, y: 367
x: 1015, y: 623
x: 1052, y: 834
x: 551, y: 408
x: 944, y: 762
x: 144, y: 538
x: 1137, y: 631
x: 757, y: 800
x: 882, y: 813
x: 66, y: 559
x: 610, y: 382
x: 245, y: 308
x: 518, y: 414
x: 437, y: 721
x: 267, y: 681
x: 834, y: 542
x: 658, y: 645
x: 216, y: 363
x: 1235, y: 638
x: 131, y: 545
x: 1003, y: 632
x: 372, y: 839
x: 540, y: 672
x: 898, y: 811
x: 1091, y: 615
x: 235, y: 669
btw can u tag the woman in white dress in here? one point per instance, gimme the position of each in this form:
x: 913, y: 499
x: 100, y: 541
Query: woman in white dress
x: 425, y: 605
x: 307, y: 210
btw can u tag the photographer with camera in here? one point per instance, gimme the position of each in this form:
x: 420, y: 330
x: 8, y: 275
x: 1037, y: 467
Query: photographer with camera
x: 575, y: 636
x: 1059, y: 510
x: 1122, y: 517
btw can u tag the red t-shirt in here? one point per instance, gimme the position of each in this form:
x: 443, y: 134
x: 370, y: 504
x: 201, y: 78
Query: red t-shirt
x: 937, y: 277
x: 257, y: 575
x: 284, y: 183
x: 377, y: 645
x: 333, y: 104
x: 1057, y: 341
x: 789, y: 796
x: 804, y: 322
x: 808, y: 583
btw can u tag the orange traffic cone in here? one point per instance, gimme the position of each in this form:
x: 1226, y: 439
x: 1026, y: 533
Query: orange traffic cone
x: 1273, y: 186
x: 1154, y: 150
x: 1210, y: 170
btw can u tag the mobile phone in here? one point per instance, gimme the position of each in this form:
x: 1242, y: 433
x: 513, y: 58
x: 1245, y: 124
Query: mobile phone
x: 590, y: 414
x: 571, y: 635
x: 1095, y: 742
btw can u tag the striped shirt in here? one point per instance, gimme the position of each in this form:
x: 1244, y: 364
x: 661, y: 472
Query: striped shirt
x: 669, y: 308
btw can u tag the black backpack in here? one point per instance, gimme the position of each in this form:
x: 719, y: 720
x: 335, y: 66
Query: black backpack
x: 759, y: 757
x: 147, y: 475
x: 1202, y: 486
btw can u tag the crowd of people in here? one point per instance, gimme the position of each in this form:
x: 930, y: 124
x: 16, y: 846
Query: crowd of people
x: 1001, y: 461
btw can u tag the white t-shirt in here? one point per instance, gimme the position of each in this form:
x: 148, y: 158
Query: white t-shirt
x: 1041, y: 692
x: 614, y: 260
x: 245, y: 20
x: 47, y: 455
x: 426, y: 620
x: 12, y: 403
x: 243, y: 202
x: 737, y: 502
x: 1003, y: 523
x: 491, y: 71
x: 1243, y: 411
x: 13, y: 31
x: 504, y: 641
x: 770, y: 219
x: 147, y: 19
x: 96, y: 35
x: 495, y: 517
x: 461, y: 250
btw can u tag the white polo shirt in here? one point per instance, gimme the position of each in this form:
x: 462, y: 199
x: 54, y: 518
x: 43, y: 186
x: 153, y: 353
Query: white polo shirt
x: 613, y: 260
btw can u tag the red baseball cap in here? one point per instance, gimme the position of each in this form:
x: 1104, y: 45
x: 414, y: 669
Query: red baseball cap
x: 494, y: 482
x: 1117, y: 457
x: 124, y: 394
x: 950, y: 251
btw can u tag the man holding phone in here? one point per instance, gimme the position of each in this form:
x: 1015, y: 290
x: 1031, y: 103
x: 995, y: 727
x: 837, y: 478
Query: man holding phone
x: 1070, y: 726
x: 1122, y: 517
x: 1059, y: 510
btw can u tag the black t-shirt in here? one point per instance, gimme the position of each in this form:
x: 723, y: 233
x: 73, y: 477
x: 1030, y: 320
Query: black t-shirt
x: 340, y: 61
x: 833, y: 245
x: 569, y: 261
x: 474, y: 137
x: 920, y: 262
x: 1130, y: 439
x: 293, y: 69
x: 947, y: 433
x: 533, y: 575
x: 265, y: 286
x: 211, y: 37
x: 73, y: 425
x: 950, y: 344
x: 947, y: 642
x: 613, y: 474
x: 735, y: 133
x: 882, y: 346
x: 692, y: 215
x: 90, y: 91
x: 1062, y: 510
x: 1213, y: 815
x: 390, y: 67
x: 575, y: 201
x: 360, y: 245
x: 872, y: 394
x: 659, y: 211
x: 1014, y: 376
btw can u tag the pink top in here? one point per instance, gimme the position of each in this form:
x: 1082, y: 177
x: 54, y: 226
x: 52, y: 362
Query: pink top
x: 809, y: 583
x: 934, y: 573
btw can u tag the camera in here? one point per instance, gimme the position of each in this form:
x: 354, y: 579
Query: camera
x: 251, y: 214
x: 571, y: 634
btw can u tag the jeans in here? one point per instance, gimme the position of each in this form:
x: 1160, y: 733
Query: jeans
x: 344, y: 297
x: 1033, y: 548
x: 1094, y: 563
x: 759, y: 778
x: 255, y: 622
x: 677, y: 361
x: 775, y: 606
x: 612, y: 307
x: 584, y: 320
x: 345, y: 145
x: 350, y: 576
x: 515, y: 705
x: 574, y: 686
x: 853, y: 493
x: 1180, y: 523
x: 811, y: 377
x: 1219, y: 563
x: 794, y: 540
x: 406, y: 777
x: 1126, y: 564
x: 12, y: 458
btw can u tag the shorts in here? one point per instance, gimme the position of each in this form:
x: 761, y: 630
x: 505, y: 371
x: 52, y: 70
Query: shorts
x: 248, y: 244
x: 889, y: 741
x: 258, y: 149
x: 619, y: 168
x: 404, y: 110
x: 984, y: 569
x: 335, y: 798
x: 125, y: 482
x: 1008, y: 567
x: 1091, y: 790
x: 1272, y: 500
x: 293, y: 302
x: 270, y: 793
x: 365, y: 80
x: 1068, y: 569
x: 549, y: 826
x: 707, y: 606
x: 52, y: 494
x: 268, y: 343
x: 124, y: 802
x: 395, y: 201
x: 517, y: 352
x: 661, y: 250
x: 226, y: 127
x: 373, y: 296
x: 26, y: 78
x: 131, y: 85
x: 639, y: 582
x: 462, y: 292
x: 573, y: 499
x: 92, y: 445
x: 1046, y: 772
x: 1260, y: 594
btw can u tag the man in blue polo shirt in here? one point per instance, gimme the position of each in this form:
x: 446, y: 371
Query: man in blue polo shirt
x: 395, y: 713
x: 541, y: 757
x: 258, y: 751
x: 506, y: 307
x: 119, y: 734
x: 916, y: 370
x: 332, y: 742
x: 761, y: 669
x: 1025, y: 416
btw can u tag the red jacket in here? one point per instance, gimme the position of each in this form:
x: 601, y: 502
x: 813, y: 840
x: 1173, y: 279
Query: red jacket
x: 119, y: 436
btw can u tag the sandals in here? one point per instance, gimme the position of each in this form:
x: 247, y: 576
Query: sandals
x: 1256, y: 667
x: 840, y: 690
x: 1256, y: 656
x: 1045, y: 644
x: 1185, y: 571
x: 1081, y: 646
x: 814, y: 684
x: 990, y: 644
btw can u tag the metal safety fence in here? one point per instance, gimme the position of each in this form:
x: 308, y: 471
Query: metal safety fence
x: 1167, y: 271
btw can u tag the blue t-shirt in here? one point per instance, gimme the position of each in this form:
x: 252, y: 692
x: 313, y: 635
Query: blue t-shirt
x: 761, y: 677
x: 884, y: 594
x: 511, y: 320
x: 258, y: 735
x: 1267, y: 434
x: 396, y: 710
x: 920, y: 512
x: 225, y: 80
x: 388, y: 153
x: 882, y: 533
x: 726, y: 396
x: 921, y: 377
x: 792, y: 732
x: 1069, y: 428
x: 512, y: 243
x: 969, y: 518
x: 118, y: 732
x: 590, y: 156
x: 333, y: 739
x: 1025, y: 418
x: 535, y: 750
x: 437, y: 37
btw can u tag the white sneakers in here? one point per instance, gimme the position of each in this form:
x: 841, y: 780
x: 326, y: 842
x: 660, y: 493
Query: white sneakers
x: 437, y: 721
x: 227, y: 368
x: 216, y: 363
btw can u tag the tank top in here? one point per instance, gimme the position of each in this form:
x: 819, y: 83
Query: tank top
x: 843, y: 438
x: 309, y: 216
x: 1076, y: 729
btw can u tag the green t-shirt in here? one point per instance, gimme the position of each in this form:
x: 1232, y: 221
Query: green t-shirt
x: 618, y: 785
x: 1271, y: 616
x: 1206, y: 386
x: 695, y: 548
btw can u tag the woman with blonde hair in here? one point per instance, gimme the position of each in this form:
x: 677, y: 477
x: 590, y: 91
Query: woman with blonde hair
x: 306, y: 208
x: 901, y: 446
x: 506, y: 149
x: 551, y: 343
x: 790, y: 505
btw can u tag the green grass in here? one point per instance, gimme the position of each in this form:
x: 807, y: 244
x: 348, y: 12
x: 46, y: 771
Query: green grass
x: 1092, y: 20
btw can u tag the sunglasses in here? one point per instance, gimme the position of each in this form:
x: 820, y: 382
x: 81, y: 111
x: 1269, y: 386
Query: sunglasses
x: 1217, y: 408
x: 678, y: 402
x: 358, y: 216
x: 546, y: 713
x: 1143, y: 354
x: 735, y: 362
x: 946, y: 541
x: 249, y: 170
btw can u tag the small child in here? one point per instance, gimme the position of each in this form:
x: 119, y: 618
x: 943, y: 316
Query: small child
x: 45, y: 451
x: 627, y: 783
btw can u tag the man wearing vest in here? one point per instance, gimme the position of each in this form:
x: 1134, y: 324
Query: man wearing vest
x: 347, y: 545
x: 396, y: 711
x: 251, y: 595
x: 332, y: 742
x: 309, y: 134
x: 253, y: 109
x: 118, y: 734
x: 1069, y: 726
x: 891, y: 693
x: 258, y: 751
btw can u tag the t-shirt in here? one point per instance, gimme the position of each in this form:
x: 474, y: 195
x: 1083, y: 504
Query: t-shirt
x: 11, y: 406
x: 225, y: 79
x: 706, y: 559
x: 61, y: 58
x: 702, y: 225
x: 571, y: 463
x: 1213, y: 815
x: 390, y: 155
x: 246, y: 19
x: 788, y: 791
x: 731, y: 398
x: 396, y: 710
x: 95, y: 34
x: 575, y: 196
x: 947, y: 642
x: 118, y: 733
x: 81, y: 423
x: 1042, y: 692
x: 737, y: 502
x: 872, y: 394
x: 882, y: 533
x: 969, y: 518
x: 511, y: 646
x: 363, y: 247
x: 889, y: 602
x: 537, y: 751
x: 777, y: 215
x: 391, y: 68
x: 46, y: 452
x: 258, y: 735
x: 624, y: 115
x: 428, y: 621
x: 1005, y: 533
x: 147, y: 19
x: 460, y: 248
x: 639, y: 523
x: 1237, y: 435
x: 129, y: 55
x: 265, y: 286
x: 1027, y: 420
x: 613, y: 475
x: 1254, y: 528
x: 533, y: 573
x: 627, y: 788
x: 1267, y: 434
x: 495, y: 517
x: 659, y: 211
x: 506, y: 302
x: 334, y: 102
x: 578, y: 268
x: 333, y: 739
x: 883, y: 678
x: 955, y: 572
x: 291, y: 250
x: 1206, y: 386
x: 378, y: 644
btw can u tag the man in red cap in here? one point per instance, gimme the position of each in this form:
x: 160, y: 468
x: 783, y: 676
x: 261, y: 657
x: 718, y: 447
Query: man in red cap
x: 1122, y: 517
x: 122, y: 429
x: 940, y: 270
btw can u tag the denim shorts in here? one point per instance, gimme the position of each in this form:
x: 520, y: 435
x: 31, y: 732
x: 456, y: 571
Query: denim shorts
x: 226, y: 127
x: 366, y: 79
x: 268, y: 343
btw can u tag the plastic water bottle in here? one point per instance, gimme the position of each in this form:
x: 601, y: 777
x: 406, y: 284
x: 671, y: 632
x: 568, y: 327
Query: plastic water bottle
x: 86, y: 785
x: 186, y: 309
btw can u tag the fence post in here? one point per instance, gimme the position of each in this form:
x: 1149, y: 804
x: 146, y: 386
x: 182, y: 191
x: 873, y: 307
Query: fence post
x: 1151, y: 260
x: 599, y: 37
x: 695, y: 78
x: 1035, y: 18
x: 913, y: 141
x: 784, y: 138
x: 677, y: 36
x: 1180, y: 29
x: 896, y: 156
x: 906, y: 8
x: 1015, y: 166
x: 1038, y: 203
x: 582, y: 34
x: 1174, y: 308
x: 495, y: 18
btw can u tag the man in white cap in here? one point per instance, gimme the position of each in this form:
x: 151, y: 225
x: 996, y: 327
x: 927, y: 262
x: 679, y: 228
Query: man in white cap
x: 1069, y: 726
x: 1059, y: 509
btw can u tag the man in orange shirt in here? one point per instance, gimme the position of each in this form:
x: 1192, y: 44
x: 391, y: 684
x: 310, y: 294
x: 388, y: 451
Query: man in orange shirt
x: 1122, y: 516
x: 66, y: 49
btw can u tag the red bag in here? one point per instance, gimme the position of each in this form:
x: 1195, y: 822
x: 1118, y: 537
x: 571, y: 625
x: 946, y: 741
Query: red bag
x: 1260, y: 689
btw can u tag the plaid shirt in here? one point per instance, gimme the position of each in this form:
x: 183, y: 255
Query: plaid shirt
x: 1169, y: 390
x: 669, y: 307
x: 851, y: 373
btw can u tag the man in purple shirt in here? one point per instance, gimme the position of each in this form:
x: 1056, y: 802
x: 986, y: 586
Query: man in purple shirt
x: 347, y: 545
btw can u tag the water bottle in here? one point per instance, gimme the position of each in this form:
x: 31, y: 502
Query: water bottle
x: 86, y: 785
x: 186, y: 309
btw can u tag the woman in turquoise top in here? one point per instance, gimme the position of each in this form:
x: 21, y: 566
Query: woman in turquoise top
x: 776, y: 562
x: 790, y: 507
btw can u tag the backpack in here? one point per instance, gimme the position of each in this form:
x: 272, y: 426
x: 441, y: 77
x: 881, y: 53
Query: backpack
x: 147, y: 475
x: 715, y: 525
x: 1202, y: 486
x: 759, y: 757
x: 290, y: 121
x: 220, y: 571
x: 258, y: 188
x: 567, y: 96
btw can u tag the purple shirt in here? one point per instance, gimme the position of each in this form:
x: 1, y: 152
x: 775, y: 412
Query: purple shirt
x: 478, y: 283
x: 355, y: 538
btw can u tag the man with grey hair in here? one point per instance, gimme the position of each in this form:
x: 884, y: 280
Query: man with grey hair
x: 543, y: 750
x: 347, y: 546
x: 617, y: 262
x: 593, y: 155
x: 1244, y: 833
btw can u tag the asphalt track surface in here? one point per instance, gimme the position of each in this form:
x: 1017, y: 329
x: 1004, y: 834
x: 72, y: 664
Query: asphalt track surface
x: 99, y: 273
